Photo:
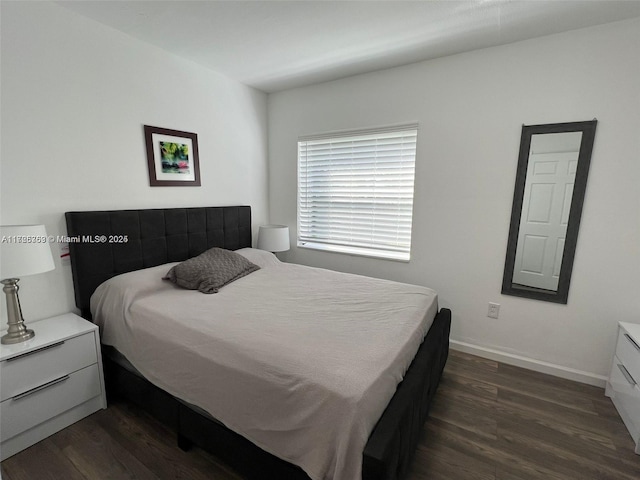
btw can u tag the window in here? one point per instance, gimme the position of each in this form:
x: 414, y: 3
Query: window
x: 355, y: 191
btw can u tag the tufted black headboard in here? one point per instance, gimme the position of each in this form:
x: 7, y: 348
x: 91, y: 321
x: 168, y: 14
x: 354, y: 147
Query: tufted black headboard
x: 107, y: 243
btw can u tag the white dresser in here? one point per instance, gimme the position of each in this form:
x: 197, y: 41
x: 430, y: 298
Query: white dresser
x: 49, y: 382
x: 622, y: 385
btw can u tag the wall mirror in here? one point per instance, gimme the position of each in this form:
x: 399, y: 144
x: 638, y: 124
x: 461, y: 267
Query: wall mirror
x: 551, y: 180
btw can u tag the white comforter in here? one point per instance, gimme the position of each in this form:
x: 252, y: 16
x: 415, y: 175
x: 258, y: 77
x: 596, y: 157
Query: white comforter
x: 301, y: 361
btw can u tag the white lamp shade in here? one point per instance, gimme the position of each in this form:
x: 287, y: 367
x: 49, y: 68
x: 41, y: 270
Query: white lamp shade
x: 24, y: 251
x: 273, y: 238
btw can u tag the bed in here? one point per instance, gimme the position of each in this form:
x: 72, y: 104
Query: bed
x: 110, y: 243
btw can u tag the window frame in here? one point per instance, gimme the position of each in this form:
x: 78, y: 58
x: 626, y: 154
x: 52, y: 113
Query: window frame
x: 404, y: 215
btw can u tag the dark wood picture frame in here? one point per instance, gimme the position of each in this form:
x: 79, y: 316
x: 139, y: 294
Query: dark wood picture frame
x: 160, y: 178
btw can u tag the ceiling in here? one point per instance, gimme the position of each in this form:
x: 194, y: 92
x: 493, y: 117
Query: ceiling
x: 277, y: 45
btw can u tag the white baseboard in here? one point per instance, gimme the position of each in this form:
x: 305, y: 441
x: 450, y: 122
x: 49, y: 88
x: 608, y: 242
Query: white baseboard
x: 531, y: 364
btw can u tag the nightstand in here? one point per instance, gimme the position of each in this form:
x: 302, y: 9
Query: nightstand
x: 49, y: 382
x: 622, y: 385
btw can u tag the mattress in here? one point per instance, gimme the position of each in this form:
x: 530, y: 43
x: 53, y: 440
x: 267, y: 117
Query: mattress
x: 301, y: 361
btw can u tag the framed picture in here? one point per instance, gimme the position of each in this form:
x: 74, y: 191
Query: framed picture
x: 172, y: 156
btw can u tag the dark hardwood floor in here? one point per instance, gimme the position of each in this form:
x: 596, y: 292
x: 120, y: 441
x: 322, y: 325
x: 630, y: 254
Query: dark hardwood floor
x: 489, y: 421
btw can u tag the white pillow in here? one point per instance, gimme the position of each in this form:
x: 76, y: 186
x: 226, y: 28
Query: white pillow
x: 262, y: 258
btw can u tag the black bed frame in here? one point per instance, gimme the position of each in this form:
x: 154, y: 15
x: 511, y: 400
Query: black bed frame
x: 108, y: 243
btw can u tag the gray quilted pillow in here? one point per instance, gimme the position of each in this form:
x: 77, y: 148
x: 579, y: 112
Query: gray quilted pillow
x: 210, y: 270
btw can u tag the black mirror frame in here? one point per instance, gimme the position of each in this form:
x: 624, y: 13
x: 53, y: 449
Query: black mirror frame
x: 588, y: 130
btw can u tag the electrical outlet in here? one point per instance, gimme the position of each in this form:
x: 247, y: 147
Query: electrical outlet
x: 494, y: 310
x: 65, y: 259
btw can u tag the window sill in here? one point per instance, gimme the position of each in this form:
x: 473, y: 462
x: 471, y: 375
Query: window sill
x: 357, y: 251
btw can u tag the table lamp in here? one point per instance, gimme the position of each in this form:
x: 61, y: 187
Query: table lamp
x: 24, y: 251
x: 273, y: 238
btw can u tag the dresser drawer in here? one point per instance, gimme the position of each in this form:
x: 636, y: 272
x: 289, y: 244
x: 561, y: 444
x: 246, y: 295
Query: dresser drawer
x: 23, y: 412
x: 628, y: 352
x: 40, y: 366
x: 625, y: 394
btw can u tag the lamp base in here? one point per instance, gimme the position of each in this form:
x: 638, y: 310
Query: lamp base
x: 17, y: 337
x: 16, y: 332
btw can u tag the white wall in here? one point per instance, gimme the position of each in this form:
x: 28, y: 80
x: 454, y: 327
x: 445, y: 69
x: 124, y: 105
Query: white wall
x: 75, y: 97
x: 471, y: 108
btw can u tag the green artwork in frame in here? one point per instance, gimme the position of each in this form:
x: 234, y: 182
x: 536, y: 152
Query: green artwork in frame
x: 172, y: 157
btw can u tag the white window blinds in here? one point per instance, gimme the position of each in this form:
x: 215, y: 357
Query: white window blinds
x: 355, y: 191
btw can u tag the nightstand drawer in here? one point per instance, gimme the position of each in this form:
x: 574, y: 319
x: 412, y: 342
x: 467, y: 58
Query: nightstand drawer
x: 33, y: 407
x: 40, y: 366
x: 629, y: 354
x: 625, y: 394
